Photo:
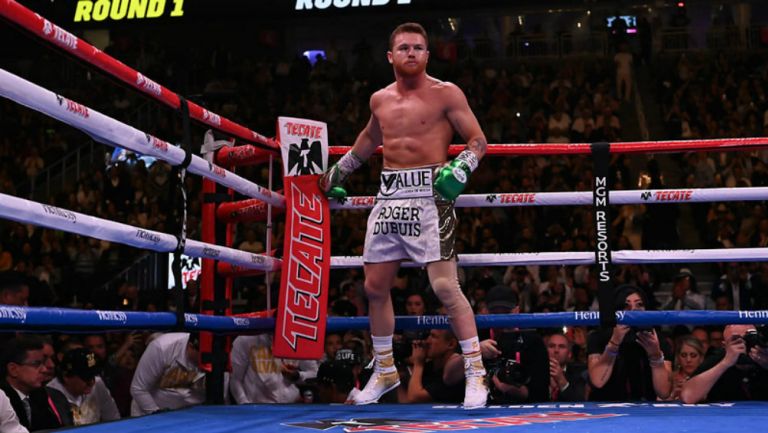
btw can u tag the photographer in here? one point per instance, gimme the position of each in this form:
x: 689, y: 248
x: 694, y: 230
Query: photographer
x: 628, y: 363
x: 336, y: 378
x: 737, y: 372
x: 437, y: 370
x: 516, y: 360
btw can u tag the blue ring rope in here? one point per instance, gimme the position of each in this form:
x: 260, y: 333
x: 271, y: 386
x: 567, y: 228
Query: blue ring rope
x: 63, y: 319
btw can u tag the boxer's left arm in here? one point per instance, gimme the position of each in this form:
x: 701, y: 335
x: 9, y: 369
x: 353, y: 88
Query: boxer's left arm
x: 453, y: 178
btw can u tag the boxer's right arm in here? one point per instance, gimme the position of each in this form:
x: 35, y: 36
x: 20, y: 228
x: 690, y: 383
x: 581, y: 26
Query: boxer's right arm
x: 366, y: 143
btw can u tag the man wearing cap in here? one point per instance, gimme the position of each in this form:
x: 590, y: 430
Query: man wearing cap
x: 517, y: 360
x: 685, y: 295
x: 77, y: 378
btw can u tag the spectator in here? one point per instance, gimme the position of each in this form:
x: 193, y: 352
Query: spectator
x: 332, y: 344
x: 731, y: 374
x: 623, y: 61
x: 558, y: 126
x: 626, y: 363
x: 259, y: 377
x: 14, y: 289
x: 250, y: 243
x: 517, y: 360
x: 700, y: 333
x: 167, y: 376
x: 685, y: 294
x: 690, y: 354
x: 337, y: 378
x: 567, y: 380
x: 49, y: 357
x: 37, y: 407
x: 437, y: 373
x: 77, y: 378
x: 735, y: 286
x: 6, y: 259
x: 414, y: 305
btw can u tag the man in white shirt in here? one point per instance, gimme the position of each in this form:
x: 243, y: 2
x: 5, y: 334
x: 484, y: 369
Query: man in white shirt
x: 167, y: 376
x: 623, y: 60
x: 259, y: 377
x: 559, y: 126
x: 9, y: 422
x: 77, y: 378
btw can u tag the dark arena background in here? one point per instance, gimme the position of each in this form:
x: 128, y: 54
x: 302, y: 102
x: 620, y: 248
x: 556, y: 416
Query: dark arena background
x: 146, y: 218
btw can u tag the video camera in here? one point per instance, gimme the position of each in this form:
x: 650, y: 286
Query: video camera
x: 507, y: 367
x: 403, y: 348
x: 753, y: 338
x: 339, y: 370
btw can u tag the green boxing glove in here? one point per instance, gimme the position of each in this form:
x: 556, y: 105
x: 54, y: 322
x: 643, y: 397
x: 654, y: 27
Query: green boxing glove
x: 336, y: 192
x: 452, y: 178
x: 330, y: 182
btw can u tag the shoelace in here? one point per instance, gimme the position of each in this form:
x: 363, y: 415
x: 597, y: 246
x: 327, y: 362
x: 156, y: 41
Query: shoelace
x: 475, y: 384
x: 471, y: 371
x: 377, y: 368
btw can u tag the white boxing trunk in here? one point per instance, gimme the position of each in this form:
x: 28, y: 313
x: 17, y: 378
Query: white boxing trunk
x: 408, y: 222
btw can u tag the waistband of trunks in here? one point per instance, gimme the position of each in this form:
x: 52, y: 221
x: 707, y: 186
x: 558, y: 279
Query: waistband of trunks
x: 404, y: 183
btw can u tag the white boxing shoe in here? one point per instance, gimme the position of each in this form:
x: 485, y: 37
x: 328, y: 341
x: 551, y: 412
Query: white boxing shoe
x: 475, y: 392
x: 475, y: 389
x: 384, y: 379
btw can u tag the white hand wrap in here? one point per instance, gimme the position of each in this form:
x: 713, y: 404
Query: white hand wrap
x: 469, y: 158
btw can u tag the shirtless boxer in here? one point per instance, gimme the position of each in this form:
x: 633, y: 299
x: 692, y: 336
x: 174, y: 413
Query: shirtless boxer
x: 414, y: 119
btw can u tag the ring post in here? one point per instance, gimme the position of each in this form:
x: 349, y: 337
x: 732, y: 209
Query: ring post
x: 600, y: 202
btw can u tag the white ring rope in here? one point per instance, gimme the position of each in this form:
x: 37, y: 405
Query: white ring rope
x: 107, y: 130
x: 584, y: 198
x: 30, y: 212
x: 621, y: 257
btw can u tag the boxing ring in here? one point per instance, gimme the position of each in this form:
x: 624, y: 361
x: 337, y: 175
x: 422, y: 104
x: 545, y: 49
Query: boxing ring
x: 265, y: 203
x: 419, y: 418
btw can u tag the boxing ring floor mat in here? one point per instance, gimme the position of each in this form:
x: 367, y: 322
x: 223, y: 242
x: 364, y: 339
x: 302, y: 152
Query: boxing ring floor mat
x: 570, y: 418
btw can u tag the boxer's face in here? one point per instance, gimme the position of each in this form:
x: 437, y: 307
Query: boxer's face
x: 408, y: 54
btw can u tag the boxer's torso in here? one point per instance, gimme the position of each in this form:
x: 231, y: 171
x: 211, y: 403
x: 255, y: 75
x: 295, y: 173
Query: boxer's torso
x: 414, y: 126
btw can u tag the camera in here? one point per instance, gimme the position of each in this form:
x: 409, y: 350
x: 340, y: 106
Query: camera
x: 507, y: 367
x: 756, y: 338
x: 339, y: 371
x: 511, y: 372
x: 753, y: 338
x: 402, y: 348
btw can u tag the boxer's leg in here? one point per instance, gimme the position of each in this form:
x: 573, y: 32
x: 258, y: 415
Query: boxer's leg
x: 379, y: 279
x: 445, y: 282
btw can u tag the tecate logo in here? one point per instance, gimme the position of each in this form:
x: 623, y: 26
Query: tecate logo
x: 60, y: 36
x: 305, y: 273
x: 343, y: 4
x: 211, y: 118
x: 147, y: 84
